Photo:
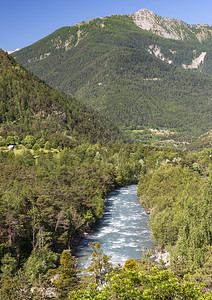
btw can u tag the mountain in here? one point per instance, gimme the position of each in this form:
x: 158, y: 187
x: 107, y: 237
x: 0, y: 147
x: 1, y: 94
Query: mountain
x: 130, y: 74
x: 29, y: 106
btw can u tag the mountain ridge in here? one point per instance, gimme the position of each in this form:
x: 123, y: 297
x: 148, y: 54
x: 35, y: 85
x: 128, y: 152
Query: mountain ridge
x: 197, y: 40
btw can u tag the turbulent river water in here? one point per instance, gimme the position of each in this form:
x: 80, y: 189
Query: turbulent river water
x: 123, y: 231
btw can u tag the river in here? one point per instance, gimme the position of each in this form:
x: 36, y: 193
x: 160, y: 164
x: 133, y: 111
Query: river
x: 123, y: 231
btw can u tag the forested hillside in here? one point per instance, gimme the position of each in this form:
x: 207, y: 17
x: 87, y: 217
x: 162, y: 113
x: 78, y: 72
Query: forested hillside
x: 28, y: 106
x: 108, y: 64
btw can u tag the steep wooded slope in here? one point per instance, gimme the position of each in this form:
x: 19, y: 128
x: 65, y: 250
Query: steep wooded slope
x: 29, y: 106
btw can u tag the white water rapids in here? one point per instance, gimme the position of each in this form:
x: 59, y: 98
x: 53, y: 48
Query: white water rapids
x: 123, y: 231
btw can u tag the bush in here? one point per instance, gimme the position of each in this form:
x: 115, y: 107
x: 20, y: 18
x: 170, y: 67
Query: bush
x: 30, y: 140
x: 28, y: 146
x: 48, y: 145
x: 36, y: 147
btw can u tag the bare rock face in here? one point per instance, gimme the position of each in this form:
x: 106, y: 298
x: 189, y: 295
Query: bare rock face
x: 165, y: 27
x: 196, y: 62
x: 170, y: 28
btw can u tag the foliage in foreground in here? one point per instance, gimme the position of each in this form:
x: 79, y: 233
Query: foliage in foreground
x: 47, y: 201
x: 137, y: 279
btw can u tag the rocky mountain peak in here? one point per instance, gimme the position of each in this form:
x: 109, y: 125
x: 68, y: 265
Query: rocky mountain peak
x: 165, y: 27
x: 170, y: 28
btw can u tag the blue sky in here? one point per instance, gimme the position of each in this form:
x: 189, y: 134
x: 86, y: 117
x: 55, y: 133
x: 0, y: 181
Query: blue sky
x: 23, y: 22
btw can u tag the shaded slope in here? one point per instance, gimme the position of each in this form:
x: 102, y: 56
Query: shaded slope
x: 29, y: 106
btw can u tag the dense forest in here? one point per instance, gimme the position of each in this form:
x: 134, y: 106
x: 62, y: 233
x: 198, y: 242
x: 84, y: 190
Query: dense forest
x: 177, y: 193
x: 28, y: 106
x: 106, y: 63
x: 49, y: 200
x: 54, y: 182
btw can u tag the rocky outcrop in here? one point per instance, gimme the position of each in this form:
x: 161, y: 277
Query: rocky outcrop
x: 10, y: 52
x: 154, y: 49
x: 170, y: 28
x: 196, y: 62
